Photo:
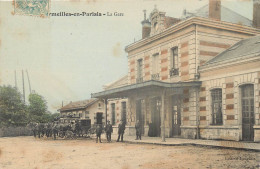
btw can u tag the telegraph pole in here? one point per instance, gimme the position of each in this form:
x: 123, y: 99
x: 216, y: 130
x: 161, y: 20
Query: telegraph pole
x: 23, y: 87
x: 29, y: 82
x: 15, y: 81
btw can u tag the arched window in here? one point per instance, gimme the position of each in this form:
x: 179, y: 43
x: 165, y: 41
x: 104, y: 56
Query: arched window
x: 216, y: 106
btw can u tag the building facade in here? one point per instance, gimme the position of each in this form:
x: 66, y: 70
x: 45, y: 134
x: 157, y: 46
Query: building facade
x: 91, y: 111
x: 172, y: 88
x: 229, y: 94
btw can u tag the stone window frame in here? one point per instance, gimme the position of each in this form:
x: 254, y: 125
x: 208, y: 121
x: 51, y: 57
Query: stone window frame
x: 155, y: 67
x: 174, y: 58
x: 140, y: 68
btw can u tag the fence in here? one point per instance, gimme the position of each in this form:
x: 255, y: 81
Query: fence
x: 15, y: 131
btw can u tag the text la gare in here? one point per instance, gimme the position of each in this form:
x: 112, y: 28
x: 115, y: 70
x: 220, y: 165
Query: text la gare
x: 115, y: 14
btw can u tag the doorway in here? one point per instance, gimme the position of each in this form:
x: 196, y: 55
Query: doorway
x: 248, y: 120
x: 99, y: 118
x: 155, y: 125
x: 140, y: 113
x: 176, y: 115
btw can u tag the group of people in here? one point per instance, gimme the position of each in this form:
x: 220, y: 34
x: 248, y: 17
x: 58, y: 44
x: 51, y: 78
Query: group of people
x: 121, y: 131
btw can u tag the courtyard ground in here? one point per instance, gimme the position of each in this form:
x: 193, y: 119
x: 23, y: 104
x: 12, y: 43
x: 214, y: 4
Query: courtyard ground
x: 30, y: 153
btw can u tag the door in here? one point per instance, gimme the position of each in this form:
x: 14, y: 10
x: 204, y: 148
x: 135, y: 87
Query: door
x: 176, y: 116
x: 155, y: 126
x: 99, y: 118
x: 248, y: 119
x: 140, y: 113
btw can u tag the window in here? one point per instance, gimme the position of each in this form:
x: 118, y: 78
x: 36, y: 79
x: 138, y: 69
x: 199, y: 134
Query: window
x: 174, y: 62
x: 86, y: 114
x: 113, y: 112
x: 248, y: 119
x: 216, y: 96
x: 123, y: 113
x: 174, y: 57
x: 140, y: 70
x: 155, y: 63
x: 155, y: 67
x: 99, y: 105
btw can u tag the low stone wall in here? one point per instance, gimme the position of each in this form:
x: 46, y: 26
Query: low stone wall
x: 188, y: 132
x: 129, y: 130
x: 220, y: 133
x: 257, y: 133
x: 15, y: 131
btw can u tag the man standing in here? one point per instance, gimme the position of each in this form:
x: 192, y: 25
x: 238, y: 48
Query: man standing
x: 55, y: 130
x: 121, y: 130
x: 109, y: 130
x: 138, y: 130
x: 98, y: 133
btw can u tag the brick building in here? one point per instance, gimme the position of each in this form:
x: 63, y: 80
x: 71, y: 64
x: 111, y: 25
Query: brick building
x: 192, y: 78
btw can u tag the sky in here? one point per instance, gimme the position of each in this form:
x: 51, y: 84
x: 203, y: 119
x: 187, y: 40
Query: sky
x: 68, y: 58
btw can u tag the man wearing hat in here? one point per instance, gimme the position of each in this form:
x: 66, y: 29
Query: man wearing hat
x: 109, y: 130
x: 121, y: 130
x: 98, y: 133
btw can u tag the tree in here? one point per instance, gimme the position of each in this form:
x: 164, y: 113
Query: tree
x: 12, y: 107
x: 38, y: 108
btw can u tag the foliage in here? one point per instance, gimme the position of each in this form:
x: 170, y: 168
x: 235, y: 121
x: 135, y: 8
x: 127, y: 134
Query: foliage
x: 12, y: 107
x: 37, y: 108
x: 14, y: 112
x: 37, y: 105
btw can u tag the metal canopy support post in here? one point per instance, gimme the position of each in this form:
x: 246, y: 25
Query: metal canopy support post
x: 163, y: 115
x: 105, y: 101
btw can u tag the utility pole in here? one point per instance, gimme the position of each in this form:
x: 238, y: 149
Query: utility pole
x: 15, y: 81
x: 23, y: 87
x: 29, y: 82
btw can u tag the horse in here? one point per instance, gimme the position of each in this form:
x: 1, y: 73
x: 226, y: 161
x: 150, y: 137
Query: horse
x: 33, y: 127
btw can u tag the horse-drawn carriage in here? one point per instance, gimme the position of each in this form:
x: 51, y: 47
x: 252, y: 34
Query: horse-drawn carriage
x: 72, y: 129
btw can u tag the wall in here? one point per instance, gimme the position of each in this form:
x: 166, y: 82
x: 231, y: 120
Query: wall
x: 15, y: 131
x: 196, y: 45
x: 180, y: 40
x: 118, y: 109
x: 229, y: 80
x: 93, y: 109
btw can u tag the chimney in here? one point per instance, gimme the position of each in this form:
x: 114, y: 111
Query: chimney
x: 215, y: 9
x: 256, y: 14
x: 146, y: 27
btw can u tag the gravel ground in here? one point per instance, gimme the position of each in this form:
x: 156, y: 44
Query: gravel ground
x: 27, y: 153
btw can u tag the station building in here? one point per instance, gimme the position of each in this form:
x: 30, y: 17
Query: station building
x: 194, y: 77
x: 91, y: 111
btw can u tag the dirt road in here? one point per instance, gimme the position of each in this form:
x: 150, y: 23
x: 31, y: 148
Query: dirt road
x: 30, y: 153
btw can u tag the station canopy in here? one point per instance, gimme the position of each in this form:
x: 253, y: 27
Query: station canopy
x: 144, y: 88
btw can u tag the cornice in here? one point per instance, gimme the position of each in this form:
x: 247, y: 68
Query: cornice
x: 230, y: 62
x: 194, y: 21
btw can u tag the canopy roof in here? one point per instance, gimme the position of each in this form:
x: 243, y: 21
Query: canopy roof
x: 144, y: 87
